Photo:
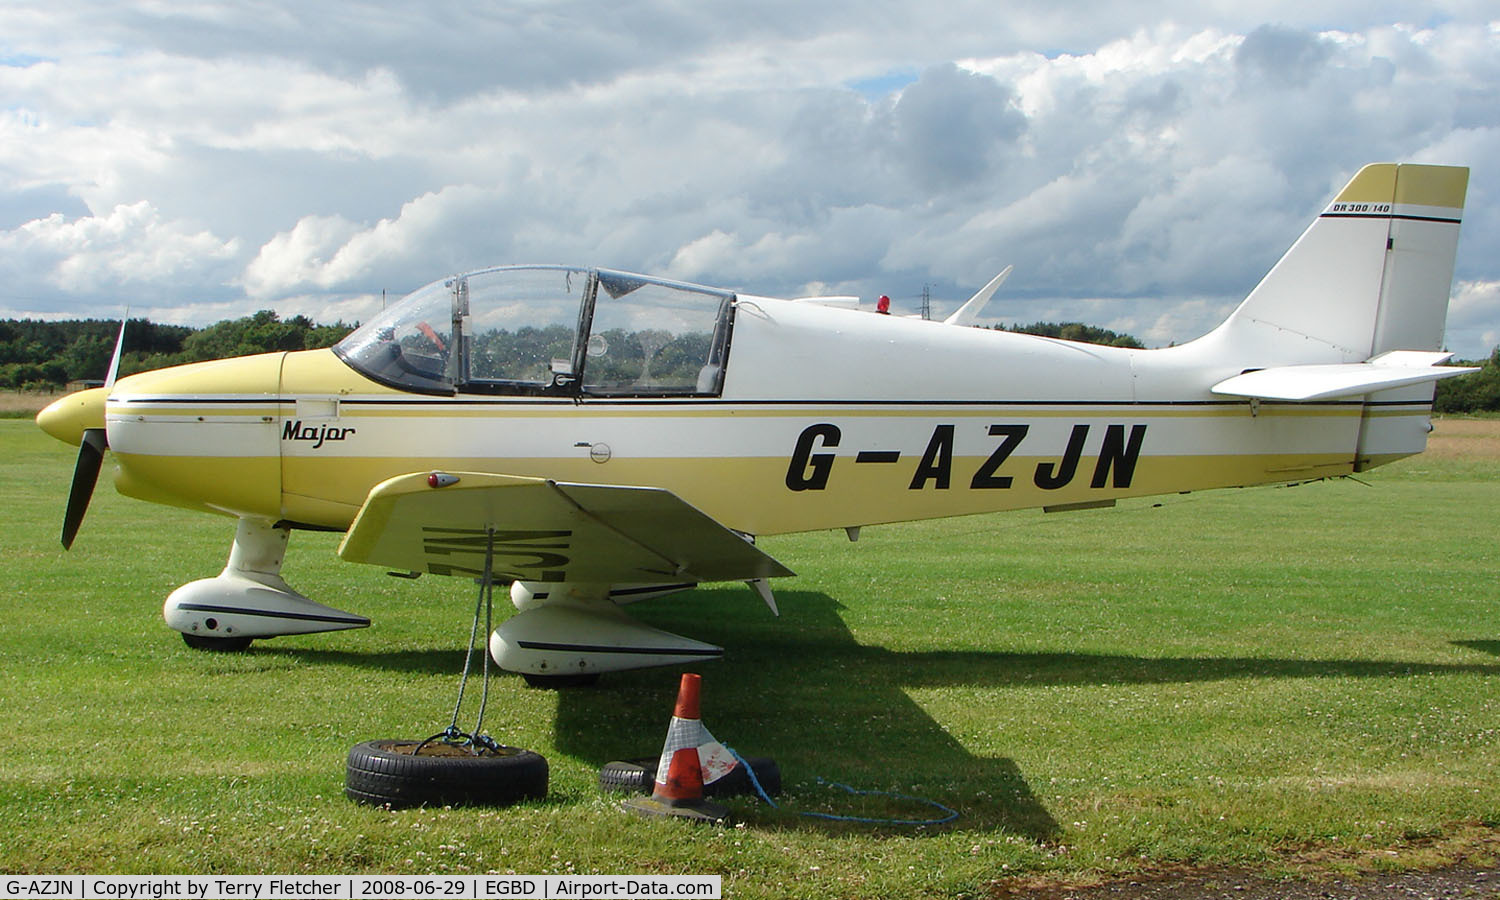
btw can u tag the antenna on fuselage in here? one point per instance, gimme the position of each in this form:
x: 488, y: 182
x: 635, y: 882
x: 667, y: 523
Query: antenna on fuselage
x: 966, y: 314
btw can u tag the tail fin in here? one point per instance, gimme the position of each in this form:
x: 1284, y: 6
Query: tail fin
x: 1370, y: 275
x: 1356, y: 308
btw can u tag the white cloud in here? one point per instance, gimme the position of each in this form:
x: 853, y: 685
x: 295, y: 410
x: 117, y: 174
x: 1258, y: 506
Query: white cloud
x: 307, y: 154
x: 710, y: 253
x: 434, y: 234
x: 1473, y: 326
x: 298, y: 257
x: 125, y: 252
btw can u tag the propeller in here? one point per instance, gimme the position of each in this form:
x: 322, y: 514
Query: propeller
x: 91, y: 446
x: 85, y: 476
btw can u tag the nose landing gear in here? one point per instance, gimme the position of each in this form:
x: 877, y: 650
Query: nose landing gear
x: 249, y: 599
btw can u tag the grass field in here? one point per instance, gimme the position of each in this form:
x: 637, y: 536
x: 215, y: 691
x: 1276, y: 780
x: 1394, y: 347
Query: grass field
x: 1281, y: 678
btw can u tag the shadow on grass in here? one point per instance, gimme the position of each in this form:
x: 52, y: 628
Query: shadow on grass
x: 1490, y: 647
x: 801, y: 689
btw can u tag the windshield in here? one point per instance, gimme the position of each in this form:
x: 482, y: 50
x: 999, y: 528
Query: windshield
x: 410, y: 344
x: 549, y: 330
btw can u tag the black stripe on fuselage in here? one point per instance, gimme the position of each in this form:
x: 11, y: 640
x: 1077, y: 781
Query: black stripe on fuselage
x: 915, y: 404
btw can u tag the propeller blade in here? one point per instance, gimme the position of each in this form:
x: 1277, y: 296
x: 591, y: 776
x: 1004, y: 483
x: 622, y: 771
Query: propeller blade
x: 85, y: 476
x: 114, y: 361
x: 90, y: 454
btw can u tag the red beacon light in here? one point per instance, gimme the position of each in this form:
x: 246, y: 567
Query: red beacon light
x: 441, y: 479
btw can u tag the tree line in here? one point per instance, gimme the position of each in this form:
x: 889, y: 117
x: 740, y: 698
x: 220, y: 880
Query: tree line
x: 36, y: 355
x: 1472, y: 393
x: 1076, y: 331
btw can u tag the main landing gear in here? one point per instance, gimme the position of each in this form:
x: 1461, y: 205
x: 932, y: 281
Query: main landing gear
x: 562, y: 635
x: 565, y: 635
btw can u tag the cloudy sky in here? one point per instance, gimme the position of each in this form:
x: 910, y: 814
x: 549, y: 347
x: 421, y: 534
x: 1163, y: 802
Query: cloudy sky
x: 1141, y: 165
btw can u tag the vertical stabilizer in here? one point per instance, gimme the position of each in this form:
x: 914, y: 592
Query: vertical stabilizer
x: 1371, y: 274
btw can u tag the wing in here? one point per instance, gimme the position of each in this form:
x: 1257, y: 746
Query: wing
x: 546, y: 530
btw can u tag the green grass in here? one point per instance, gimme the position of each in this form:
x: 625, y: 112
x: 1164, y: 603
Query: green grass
x: 1240, y: 677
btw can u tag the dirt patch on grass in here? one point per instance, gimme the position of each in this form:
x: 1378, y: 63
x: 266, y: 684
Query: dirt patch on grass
x: 1454, y: 883
x: 1466, y: 439
x: 1461, y: 864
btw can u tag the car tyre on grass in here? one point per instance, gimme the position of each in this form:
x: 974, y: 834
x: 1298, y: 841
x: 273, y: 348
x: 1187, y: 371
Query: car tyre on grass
x: 217, y: 644
x: 638, y: 776
x: 389, y: 773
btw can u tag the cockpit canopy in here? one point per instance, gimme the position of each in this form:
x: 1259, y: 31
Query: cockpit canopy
x: 549, y: 330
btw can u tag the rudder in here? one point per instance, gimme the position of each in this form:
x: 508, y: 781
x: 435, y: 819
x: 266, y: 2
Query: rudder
x: 1418, y: 278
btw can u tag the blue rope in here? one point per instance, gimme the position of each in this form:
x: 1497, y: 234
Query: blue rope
x: 761, y: 792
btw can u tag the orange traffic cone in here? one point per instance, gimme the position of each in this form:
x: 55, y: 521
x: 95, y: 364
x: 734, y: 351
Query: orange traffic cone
x: 680, y: 772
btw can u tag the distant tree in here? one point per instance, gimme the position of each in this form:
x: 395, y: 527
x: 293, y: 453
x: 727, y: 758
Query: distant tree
x: 87, y: 357
x: 38, y: 353
x: 258, y: 333
x: 20, y: 375
x: 319, y: 336
x: 1472, y: 393
x: 1077, y: 331
x: 151, y: 345
x: 263, y: 332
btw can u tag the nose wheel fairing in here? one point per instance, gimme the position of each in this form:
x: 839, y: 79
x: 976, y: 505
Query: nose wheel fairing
x: 232, y: 605
x: 249, y: 599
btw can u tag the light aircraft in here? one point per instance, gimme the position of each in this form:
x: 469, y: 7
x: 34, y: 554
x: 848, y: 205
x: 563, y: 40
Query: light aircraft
x: 597, y: 437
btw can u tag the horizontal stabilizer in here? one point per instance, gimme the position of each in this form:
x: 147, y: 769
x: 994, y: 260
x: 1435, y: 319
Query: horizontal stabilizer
x: 1398, y: 368
x: 546, y: 531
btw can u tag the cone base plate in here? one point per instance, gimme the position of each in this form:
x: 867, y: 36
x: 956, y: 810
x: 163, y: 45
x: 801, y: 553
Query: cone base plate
x: 692, y: 810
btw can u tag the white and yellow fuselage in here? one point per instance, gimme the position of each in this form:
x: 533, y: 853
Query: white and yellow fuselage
x: 620, y: 429
x: 828, y: 418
